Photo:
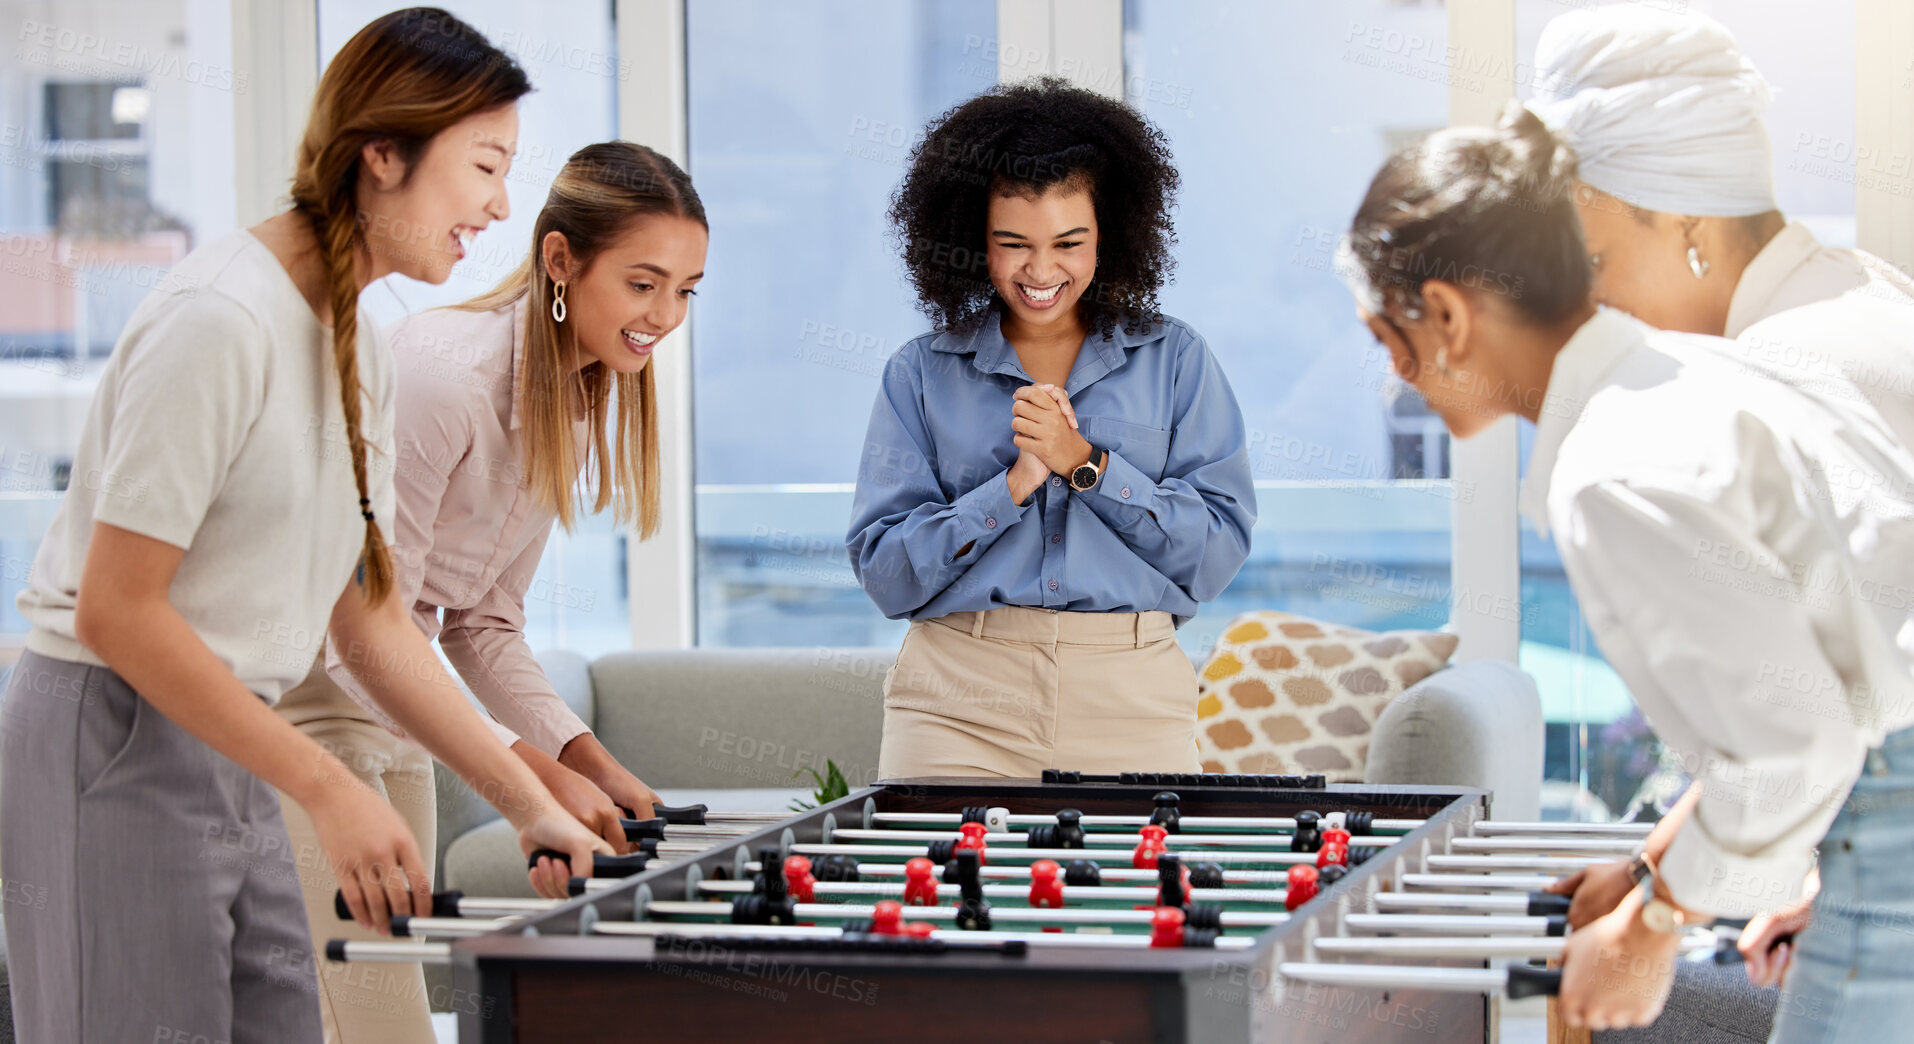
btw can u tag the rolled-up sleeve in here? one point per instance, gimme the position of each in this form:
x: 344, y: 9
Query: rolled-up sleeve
x: 1701, y: 618
x: 1193, y: 526
x: 486, y: 643
x: 908, y: 540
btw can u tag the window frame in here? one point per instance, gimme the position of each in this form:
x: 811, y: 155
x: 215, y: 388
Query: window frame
x: 1081, y: 40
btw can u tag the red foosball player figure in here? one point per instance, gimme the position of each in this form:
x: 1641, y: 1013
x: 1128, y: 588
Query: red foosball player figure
x: 887, y: 917
x: 1332, y: 855
x: 1152, y: 846
x: 920, y: 886
x: 973, y: 838
x: 1166, y: 927
x: 1335, y: 836
x: 1302, y: 886
x: 919, y: 929
x: 798, y: 879
x: 1046, y: 890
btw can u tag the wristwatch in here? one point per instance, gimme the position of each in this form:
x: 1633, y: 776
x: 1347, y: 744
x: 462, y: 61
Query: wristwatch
x: 1660, y: 915
x: 1086, y: 474
x: 1657, y: 914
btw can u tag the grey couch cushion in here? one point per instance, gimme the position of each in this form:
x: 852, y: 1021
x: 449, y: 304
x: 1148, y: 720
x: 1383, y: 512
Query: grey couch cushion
x: 724, y: 718
x: 1477, y: 724
x: 1710, y: 1004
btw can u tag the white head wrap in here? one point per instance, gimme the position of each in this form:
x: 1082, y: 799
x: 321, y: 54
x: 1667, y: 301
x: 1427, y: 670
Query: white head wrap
x: 1663, y: 110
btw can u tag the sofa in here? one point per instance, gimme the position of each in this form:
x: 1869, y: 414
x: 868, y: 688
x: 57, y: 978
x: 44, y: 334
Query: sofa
x: 734, y: 728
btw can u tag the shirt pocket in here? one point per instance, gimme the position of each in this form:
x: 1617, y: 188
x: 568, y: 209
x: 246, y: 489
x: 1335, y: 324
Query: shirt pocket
x: 1146, y: 448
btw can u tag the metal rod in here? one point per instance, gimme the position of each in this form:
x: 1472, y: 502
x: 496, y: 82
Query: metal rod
x: 1021, y: 819
x: 454, y: 927
x: 1447, y: 924
x: 513, y: 907
x: 1526, y: 947
x: 1022, y: 873
x: 1093, y: 940
x: 1399, y: 977
x: 1079, y: 915
x: 1492, y: 828
x: 1512, y: 903
x: 1174, y: 841
x: 1619, y: 848
x: 403, y: 952
x: 1557, y: 864
x: 1071, y: 893
x: 1479, y: 882
x: 1284, y: 824
x: 1059, y: 854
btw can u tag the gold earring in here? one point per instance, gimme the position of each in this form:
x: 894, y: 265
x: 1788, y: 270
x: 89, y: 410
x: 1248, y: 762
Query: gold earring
x: 558, y: 301
x: 1442, y: 360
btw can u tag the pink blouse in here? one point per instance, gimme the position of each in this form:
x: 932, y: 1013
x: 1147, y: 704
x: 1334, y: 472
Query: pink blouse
x: 469, y: 533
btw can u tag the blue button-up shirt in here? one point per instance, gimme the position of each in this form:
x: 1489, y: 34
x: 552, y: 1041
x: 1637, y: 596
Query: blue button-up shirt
x: 934, y: 530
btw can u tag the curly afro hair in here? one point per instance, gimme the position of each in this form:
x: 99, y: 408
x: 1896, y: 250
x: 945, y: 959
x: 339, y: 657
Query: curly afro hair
x: 1025, y: 138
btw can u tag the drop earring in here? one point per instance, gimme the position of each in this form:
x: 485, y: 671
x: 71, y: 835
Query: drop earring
x: 558, y: 301
x: 1442, y: 360
x: 1696, y: 264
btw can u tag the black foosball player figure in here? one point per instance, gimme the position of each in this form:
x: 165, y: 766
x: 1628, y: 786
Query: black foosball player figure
x: 1307, y: 837
x: 1067, y: 833
x: 973, y: 911
x: 769, y: 901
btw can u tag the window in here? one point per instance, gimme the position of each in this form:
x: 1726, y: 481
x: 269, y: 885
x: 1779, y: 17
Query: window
x: 801, y: 121
x: 1351, y: 468
x: 116, y: 159
x: 1600, y: 752
x: 578, y: 599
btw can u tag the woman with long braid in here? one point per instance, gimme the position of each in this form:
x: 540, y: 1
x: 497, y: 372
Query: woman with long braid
x: 230, y: 490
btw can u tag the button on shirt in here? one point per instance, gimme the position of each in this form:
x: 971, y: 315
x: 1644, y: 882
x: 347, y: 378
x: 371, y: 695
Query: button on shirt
x: 934, y: 530
x: 469, y: 532
x: 1744, y: 552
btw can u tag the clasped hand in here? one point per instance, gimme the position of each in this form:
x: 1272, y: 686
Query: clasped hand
x: 1045, y: 427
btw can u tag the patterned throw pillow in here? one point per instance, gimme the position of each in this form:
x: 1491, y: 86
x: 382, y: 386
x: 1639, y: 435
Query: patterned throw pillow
x: 1287, y: 694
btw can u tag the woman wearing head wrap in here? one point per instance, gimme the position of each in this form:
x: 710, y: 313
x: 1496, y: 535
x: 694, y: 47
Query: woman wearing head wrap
x: 1675, y: 187
x: 1756, y: 602
x: 1676, y: 197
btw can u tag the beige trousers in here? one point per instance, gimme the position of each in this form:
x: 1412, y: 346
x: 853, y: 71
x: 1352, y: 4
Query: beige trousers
x: 1014, y: 691
x: 375, y: 1003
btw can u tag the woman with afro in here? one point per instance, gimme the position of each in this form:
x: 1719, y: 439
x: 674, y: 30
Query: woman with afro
x: 1056, y: 475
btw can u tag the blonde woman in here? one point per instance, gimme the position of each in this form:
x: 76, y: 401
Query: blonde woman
x: 490, y: 455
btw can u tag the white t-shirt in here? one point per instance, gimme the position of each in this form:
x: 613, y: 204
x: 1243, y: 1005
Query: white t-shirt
x: 217, y: 428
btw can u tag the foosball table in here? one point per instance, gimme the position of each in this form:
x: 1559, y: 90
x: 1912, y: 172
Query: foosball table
x: 1138, y: 907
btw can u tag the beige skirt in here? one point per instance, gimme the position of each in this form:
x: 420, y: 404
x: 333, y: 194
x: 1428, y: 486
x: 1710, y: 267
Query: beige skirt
x: 1014, y: 691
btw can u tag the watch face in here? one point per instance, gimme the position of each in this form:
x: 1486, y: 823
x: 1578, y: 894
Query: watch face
x: 1660, y: 916
x: 1083, y: 477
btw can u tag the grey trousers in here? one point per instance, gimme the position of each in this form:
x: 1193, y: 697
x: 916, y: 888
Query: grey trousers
x: 150, y: 895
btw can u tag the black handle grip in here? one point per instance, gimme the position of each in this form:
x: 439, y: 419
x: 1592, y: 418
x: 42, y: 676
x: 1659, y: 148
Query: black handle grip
x: 639, y: 829
x: 602, y: 865
x: 335, y: 949
x: 401, y: 926
x: 687, y: 815
x: 1529, y: 981
x: 444, y: 904
x: 1548, y: 904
